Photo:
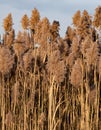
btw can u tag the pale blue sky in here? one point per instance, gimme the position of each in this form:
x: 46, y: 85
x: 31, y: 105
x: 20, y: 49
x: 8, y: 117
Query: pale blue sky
x: 61, y: 10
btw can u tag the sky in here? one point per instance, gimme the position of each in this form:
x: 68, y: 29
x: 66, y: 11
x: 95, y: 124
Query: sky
x: 60, y: 10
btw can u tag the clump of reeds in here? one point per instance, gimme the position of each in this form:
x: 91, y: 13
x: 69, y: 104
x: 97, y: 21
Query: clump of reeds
x: 48, y: 82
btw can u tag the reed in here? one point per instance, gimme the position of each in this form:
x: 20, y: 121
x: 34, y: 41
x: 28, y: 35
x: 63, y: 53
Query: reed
x: 48, y: 82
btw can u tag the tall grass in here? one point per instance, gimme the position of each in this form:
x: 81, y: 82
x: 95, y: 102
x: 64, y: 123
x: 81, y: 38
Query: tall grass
x: 53, y: 86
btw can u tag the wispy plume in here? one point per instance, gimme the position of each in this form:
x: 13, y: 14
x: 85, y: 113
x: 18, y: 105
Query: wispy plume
x: 6, y: 60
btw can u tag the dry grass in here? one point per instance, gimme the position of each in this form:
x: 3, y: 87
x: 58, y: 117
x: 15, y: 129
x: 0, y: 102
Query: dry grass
x: 55, y: 86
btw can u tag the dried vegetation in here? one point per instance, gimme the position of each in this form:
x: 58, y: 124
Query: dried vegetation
x: 48, y: 82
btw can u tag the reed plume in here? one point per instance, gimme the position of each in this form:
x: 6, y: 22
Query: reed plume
x: 34, y: 19
x: 10, y: 38
x: 75, y: 46
x: 97, y: 17
x: 84, y: 27
x: 19, y: 50
x: 76, y: 73
x: 85, y: 44
x: 56, y: 67
x: 6, y: 60
x: 7, y: 23
x: 92, y: 54
x: 70, y: 59
x: 55, y: 27
x: 70, y: 33
x: 28, y: 60
x: 76, y: 18
x: 25, y: 22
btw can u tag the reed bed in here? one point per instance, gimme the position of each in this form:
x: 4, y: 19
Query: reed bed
x: 48, y: 82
